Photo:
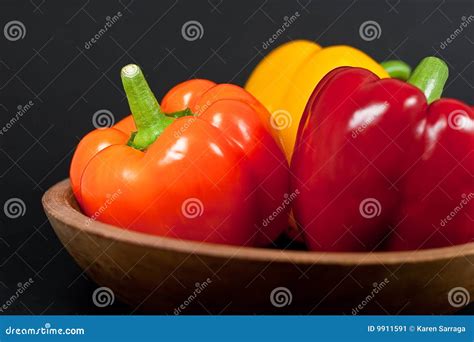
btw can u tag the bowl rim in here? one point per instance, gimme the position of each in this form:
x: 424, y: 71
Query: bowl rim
x: 57, y: 203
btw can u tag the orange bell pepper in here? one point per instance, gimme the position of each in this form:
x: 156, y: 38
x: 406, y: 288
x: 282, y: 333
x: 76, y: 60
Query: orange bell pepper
x: 214, y: 176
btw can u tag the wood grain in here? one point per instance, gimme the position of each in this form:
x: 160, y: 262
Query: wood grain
x: 159, y: 274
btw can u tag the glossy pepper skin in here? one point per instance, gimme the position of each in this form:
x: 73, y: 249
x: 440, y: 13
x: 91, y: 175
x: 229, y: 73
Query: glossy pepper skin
x: 284, y: 80
x: 378, y: 167
x: 438, y: 205
x: 214, y: 176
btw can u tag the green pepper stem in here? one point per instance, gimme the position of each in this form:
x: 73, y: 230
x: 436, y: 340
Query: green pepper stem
x: 397, y: 69
x: 181, y: 113
x: 147, y: 114
x: 430, y: 77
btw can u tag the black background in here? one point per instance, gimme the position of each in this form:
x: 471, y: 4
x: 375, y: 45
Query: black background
x: 68, y: 84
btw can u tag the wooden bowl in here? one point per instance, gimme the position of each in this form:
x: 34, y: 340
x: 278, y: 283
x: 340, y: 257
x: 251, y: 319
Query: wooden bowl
x: 170, y: 276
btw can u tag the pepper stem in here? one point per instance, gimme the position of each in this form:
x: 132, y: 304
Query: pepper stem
x: 430, y: 77
x: 147, y: 114
x: 397, y: 69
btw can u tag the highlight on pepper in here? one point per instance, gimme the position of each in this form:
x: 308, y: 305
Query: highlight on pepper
x: 283, y: 80
x: 210, y: 162
x: 202, y: 165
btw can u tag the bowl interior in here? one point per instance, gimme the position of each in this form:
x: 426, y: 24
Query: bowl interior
x: 60, y: 203
x: 160, y: 272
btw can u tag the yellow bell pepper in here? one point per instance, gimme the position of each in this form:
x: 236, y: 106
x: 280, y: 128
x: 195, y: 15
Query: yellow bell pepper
x: 284, y: 80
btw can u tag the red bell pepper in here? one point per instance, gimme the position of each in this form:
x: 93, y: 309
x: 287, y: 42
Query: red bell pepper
x: 214, y: 176
x: 378, y: 166
x: 438, y: 206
